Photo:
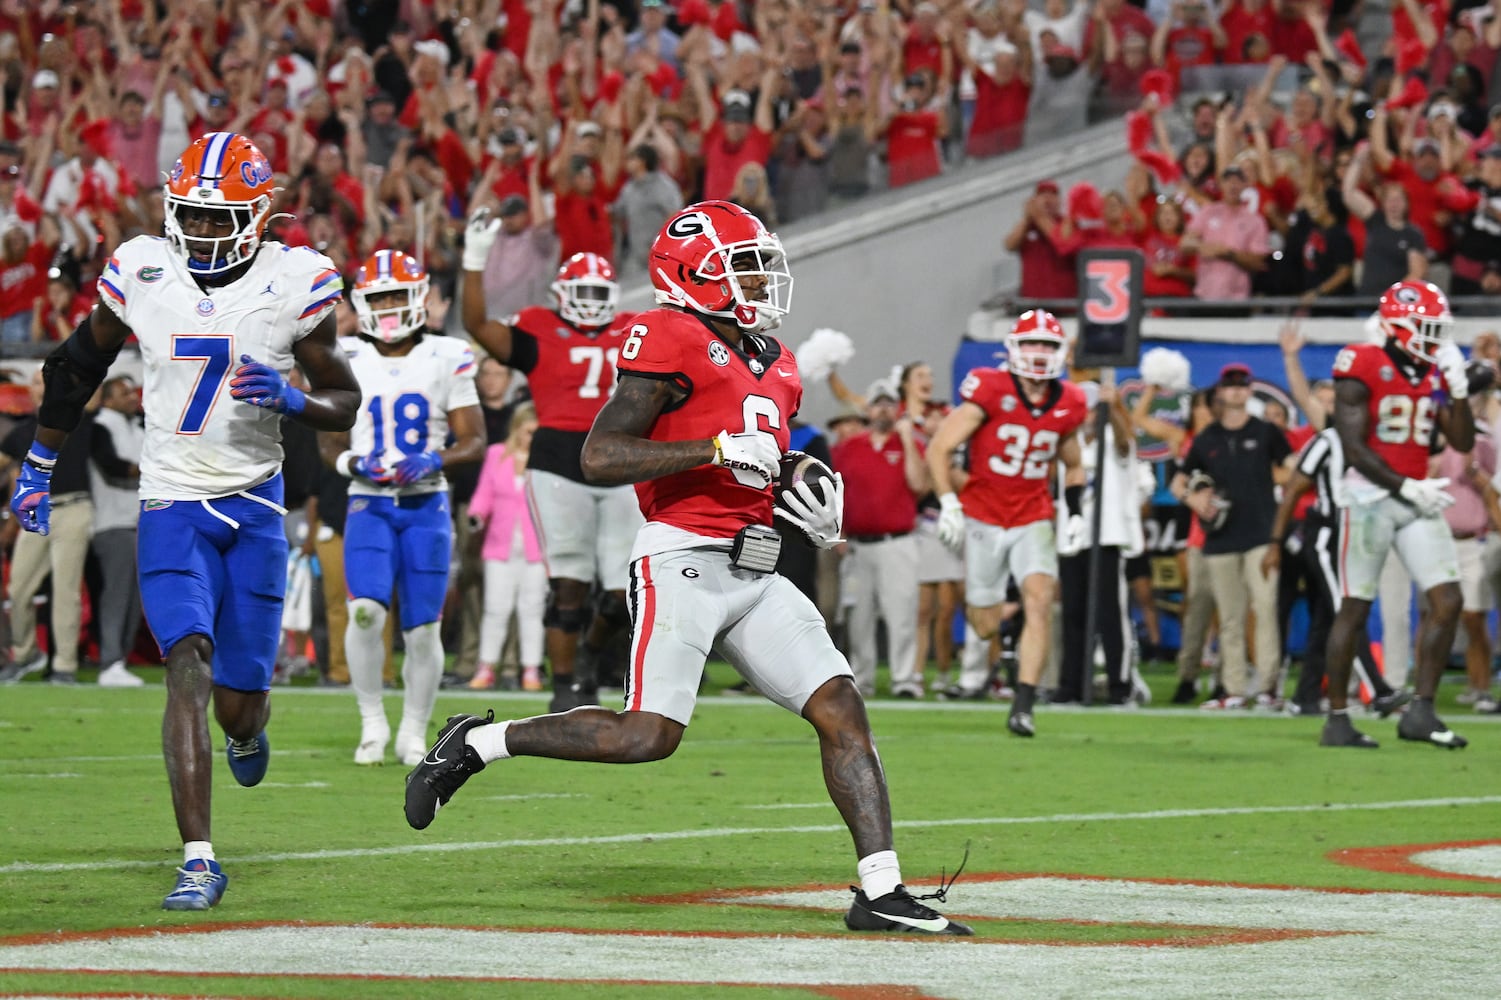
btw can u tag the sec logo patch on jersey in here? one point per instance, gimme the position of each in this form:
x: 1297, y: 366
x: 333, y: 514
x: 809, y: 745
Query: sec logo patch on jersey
x: 719, y: 354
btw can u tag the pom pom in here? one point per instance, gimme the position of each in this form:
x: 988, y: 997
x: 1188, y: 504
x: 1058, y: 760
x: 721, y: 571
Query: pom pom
x: 1413, y: 94
x: 822, y: 352
x: 1349, y: 46
x: 1375, y: 333
x: 1165, y: 367
x: 1165, y: 169
x: 1157, y: 83
x: 1084, y: 201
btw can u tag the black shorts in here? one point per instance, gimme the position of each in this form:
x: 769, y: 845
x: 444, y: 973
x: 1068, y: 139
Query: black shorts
x: 1139, y: 567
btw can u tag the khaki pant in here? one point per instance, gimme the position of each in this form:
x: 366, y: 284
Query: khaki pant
x: 61, y: 553
x: 883, y: 583
x: 1197, y: 614
x: 1238, y: 587
x: 471, y: 593
x: 335, y: 598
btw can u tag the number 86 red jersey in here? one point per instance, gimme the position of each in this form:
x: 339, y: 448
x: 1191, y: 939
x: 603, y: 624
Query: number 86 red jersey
x: 1401, y: 407
x: 1011, y: 456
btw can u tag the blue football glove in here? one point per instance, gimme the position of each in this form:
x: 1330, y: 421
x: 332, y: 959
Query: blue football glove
x: 264, y: 386
x: 371, y: 467
x: 32, y: 502
x: 414, y: 467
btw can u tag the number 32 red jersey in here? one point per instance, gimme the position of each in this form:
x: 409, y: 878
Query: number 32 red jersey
x: 727, y: 390
x: 1401, y: 406
x: 1011, y: 455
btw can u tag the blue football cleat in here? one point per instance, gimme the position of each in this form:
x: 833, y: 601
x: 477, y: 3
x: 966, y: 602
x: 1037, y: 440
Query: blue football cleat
x: 248, y: 760
x: 200, y: 885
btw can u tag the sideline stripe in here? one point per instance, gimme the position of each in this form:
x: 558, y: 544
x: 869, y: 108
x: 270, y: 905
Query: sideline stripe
x: 26, y: 867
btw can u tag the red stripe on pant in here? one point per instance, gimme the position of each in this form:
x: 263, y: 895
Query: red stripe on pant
x: 648, y: 617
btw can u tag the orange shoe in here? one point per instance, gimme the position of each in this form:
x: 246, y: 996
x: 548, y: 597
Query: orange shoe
x: 484, y: 678
x: 531, y: 678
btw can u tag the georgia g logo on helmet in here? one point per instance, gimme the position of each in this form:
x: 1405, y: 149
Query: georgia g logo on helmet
x: 717, y: 259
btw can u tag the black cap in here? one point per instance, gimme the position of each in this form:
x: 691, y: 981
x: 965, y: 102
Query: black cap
x: 381, y: 97
x: 511, y: 204
x: 509, y: 136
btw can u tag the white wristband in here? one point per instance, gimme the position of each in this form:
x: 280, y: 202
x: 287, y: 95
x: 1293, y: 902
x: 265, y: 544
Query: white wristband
x: 343, y: 462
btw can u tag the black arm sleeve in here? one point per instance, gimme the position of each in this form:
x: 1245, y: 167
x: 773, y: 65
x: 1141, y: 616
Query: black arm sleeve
x: 72, y: 373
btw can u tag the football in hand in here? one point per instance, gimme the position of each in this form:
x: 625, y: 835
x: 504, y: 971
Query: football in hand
x: 799, y: 467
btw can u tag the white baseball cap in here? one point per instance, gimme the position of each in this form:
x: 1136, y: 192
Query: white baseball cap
x: 44, y: 78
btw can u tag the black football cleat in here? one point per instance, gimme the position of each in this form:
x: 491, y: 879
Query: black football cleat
x: 1385, y: 704
x: 444, y: 769
x: 1339, y: 731
x: 899, y: 911
x: 1020, y: 724
x: 1186, y: 693
x: 1421, y: 724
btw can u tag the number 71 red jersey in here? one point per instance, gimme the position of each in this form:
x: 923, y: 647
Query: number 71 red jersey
x: 1011, y: 456
x: 1400, y: 408
x: 574, y: 372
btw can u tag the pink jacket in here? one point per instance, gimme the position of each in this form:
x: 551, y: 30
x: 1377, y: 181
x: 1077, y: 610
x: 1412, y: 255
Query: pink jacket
x: 500, y: 503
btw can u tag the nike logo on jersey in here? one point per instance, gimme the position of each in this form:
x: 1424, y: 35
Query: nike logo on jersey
x: 1063, y: 412
x: 784, y: 374
x: 933, y: 924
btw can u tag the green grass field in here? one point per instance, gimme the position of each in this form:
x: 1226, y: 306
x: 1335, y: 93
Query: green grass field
x: 1158, y: 853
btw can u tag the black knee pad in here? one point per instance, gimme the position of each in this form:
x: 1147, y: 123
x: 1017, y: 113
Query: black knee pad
x: 572, y: 620
x: 612, y: 606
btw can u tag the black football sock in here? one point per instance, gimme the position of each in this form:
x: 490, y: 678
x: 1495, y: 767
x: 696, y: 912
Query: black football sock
x: 1026, y: 697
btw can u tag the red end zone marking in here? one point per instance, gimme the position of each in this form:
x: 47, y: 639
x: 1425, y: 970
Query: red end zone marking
x: 1397, y: 860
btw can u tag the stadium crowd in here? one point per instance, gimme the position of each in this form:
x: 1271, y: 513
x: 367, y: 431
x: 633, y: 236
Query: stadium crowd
x: 388, y: 124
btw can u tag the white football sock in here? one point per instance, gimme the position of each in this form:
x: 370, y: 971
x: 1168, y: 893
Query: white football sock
x: 365, y: 648
x: 421, y: 673
x: 879, y: 874
x: 197, y: 850
x: 489, y: 741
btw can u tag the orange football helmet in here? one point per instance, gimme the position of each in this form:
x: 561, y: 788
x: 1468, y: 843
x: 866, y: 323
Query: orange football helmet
x: 1037, y: 347
x: 703, y: 256
x: 586, y: 290
x: 389, y: 271
x: 221, y: 180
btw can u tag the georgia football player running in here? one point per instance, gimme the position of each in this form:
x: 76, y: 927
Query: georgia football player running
x: 1019, y: 421
x: 699, y: 423
x: 221, y: 316
x: 569, y: 356
x: 399, y: 533
x: 1388, y: 397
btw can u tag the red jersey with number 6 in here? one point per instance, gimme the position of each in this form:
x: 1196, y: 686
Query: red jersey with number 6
x: 1400, y: 408
x: 728, y: 389
x: 570, y: 372
x: 1011, y: 456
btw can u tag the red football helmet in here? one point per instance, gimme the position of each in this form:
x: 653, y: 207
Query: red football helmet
x: 224, y: 175
x: 400, y: 285
x: 586, y: 290
x: 1037, y: 347
x: 1416, y: 315
x: 702, y: 258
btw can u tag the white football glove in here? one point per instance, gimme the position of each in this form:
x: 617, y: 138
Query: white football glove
x: 820, y: 518
x: 1427, y: 496
x: 951, y: 521
x: 1451, y: 361
x: 1071, y: 542
x: 479, y: 236
x: 754, y: 457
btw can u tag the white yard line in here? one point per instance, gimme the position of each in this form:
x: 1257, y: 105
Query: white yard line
x: 27, y: 867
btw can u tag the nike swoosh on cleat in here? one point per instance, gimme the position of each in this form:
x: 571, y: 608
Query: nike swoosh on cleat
x: 1444, y: 738
x: 432, y: 759
x: 935, y: 924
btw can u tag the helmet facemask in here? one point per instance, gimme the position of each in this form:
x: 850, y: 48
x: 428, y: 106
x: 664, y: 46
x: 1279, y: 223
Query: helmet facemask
x: 1035, y: 356
x: 1421, y: 336
x: 587, y: 302
x: 394, y: 321
x: 223, y: 253
x: 727, y: 269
